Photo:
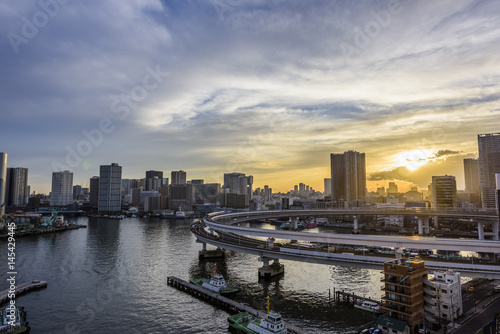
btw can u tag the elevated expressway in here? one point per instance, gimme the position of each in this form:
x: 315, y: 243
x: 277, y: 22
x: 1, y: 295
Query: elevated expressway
x: 221, y: 231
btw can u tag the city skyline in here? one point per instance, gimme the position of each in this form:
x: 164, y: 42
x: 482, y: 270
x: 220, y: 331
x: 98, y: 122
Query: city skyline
x: 266, y: 89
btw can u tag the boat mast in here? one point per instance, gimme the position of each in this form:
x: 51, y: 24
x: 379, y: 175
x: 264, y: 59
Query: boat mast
x: 267, y: 304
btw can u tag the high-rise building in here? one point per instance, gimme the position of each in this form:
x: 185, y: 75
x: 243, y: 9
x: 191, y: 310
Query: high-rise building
x: 178, y: 177
x: 393, y: 188
x: 77, y: 192
x: 181, y: 196
x: 110, y: 181
x: 404, y: 292
x: 154, y: 180
x: 489, y: 164
x: 16, y: 190
x: 328, y: 187
x: 471, y: 173
x: 238, y: 183
x: 444, y: 191
x: 94, y: 192
x: 62, y: 188
x: 3, y: 179
x: 348, y: 176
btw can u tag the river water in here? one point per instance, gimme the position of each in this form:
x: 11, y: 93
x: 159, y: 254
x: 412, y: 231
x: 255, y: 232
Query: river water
x: 112, y: 278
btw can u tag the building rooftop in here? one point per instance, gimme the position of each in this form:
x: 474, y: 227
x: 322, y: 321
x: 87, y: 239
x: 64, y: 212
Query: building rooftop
x: 391, y: 323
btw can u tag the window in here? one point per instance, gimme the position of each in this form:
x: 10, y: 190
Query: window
x: 394, y: 331
x: 444, y: 291
x: 445, y: 307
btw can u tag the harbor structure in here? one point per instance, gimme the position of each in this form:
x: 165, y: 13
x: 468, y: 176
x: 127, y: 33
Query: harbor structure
x: 62, y: 188
x: 404, y: 291
x: 489, y: 164
x: 110, y: 180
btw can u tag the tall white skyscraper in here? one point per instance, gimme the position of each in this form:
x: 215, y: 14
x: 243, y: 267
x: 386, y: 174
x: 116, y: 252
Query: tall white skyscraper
x: 62, y: 188
x: 110, y: 181
x: 3, y: 177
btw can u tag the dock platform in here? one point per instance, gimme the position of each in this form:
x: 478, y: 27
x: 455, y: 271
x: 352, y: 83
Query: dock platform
x: 350, y: 298
x: 221, y: 301
x: 22, y: 289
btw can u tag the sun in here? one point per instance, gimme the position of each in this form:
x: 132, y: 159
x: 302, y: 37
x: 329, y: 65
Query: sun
x: 413, y: 159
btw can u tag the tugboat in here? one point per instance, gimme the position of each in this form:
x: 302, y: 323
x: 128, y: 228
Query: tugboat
x: 244, y: 322
x: 215, y: 284
x: 13, y: 321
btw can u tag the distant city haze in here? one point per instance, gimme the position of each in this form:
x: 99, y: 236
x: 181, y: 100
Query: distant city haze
x: 269, y: 89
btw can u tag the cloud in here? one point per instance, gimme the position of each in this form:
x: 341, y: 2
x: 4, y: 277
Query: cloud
x: 398, y: 173
x: 444, y: 153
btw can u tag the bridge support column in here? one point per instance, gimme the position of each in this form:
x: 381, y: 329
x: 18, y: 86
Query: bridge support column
x: 420, y: 225
x: 270, y: 243
x: 427, y: 229
x: 209, y: 254
x: 295, y: 223
x: 495, y: 231
x: 355, y: 224
x: 480, y: 230
x: 398, y: 252
x: 436, y: 222
x: 270, y: 270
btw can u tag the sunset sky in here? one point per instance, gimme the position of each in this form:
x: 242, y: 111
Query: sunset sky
x: 263, y: 88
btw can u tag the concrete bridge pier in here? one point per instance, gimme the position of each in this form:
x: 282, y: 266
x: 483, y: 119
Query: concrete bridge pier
x: 480, y: 230
x: 495, y: 230
x: 356, y: 224
x: 436, y: 222
x: 270, y: 243
x: 398, y: 252
x: 420, y: 225
x: 423, y: 225
x: 270, y: 270
x: 209, y: 254
x: 295, y: 223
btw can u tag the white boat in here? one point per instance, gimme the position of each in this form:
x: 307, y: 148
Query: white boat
x: 369, y: 306
x: 180, y: 214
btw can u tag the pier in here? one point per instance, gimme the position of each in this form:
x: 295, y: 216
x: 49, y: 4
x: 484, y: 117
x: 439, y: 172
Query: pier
x: 22, y: 289
x: 221, y: 301
x: 350, y: 298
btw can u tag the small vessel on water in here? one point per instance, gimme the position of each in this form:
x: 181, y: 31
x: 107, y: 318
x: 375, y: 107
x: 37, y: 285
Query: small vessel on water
x: 244, y: 322
x: 369, y: 306
x: 216, y: 284
x: 13, y: 320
